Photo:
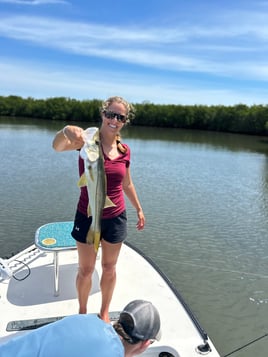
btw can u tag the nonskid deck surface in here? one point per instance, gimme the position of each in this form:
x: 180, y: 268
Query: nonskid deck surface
x: 30, y: 296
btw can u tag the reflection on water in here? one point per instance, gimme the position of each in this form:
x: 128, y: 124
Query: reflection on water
x: 205, y: 138
x: 214, y: 139
x: 205, y: 198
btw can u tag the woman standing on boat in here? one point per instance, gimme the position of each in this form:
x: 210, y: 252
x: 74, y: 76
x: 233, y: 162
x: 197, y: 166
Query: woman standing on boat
x: 115, y: 113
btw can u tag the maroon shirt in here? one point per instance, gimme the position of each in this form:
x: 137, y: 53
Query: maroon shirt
x: 115, y: 172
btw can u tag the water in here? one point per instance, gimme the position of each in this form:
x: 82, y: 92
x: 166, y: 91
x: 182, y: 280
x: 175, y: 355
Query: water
x: 205, y: 197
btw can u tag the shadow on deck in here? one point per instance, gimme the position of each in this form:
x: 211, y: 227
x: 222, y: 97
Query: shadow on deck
x: 38, y: 287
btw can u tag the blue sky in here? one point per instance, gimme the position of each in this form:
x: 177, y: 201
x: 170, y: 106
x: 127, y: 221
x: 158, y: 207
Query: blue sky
x: 163, y: 51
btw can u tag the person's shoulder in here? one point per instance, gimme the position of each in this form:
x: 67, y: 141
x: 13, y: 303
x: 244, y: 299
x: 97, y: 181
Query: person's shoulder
x: 103, y: 340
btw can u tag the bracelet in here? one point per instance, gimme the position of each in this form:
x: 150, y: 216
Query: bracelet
x: 64, y: 133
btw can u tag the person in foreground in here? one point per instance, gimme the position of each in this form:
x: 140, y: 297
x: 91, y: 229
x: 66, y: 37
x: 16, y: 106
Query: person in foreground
x: 88, y: 336
x: 115, y: 113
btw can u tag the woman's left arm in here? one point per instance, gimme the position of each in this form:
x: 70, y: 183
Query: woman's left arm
x: 130, y: 191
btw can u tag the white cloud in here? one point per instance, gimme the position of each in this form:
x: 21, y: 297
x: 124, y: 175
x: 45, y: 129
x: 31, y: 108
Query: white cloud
x: 143, y: 46
x: 30, y: 80
x: 221, y: 51
x: 33, y: 2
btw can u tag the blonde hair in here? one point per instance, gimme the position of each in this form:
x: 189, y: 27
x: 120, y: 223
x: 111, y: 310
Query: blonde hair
x: 121, y: 332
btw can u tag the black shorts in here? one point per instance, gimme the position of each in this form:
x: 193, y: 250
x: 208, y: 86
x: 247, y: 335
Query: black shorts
x: 113, y: 230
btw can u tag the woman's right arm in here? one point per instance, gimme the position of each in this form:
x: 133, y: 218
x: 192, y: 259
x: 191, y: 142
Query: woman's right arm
x: 69, y: 138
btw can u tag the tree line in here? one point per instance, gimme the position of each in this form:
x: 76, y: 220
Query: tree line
x: 239, y: 118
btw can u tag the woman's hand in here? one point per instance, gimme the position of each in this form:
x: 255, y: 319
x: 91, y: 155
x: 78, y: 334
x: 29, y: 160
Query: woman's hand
x: 71, y: 137
x: 141, y: 220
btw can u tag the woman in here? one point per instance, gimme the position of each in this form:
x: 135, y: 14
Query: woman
x: 115, y: 113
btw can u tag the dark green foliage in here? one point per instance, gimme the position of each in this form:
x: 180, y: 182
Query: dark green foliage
x: 239, y: 118
x: 58, y: 108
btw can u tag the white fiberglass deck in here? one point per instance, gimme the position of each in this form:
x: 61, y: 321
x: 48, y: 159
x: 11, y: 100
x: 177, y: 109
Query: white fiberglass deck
x: 33, y: 297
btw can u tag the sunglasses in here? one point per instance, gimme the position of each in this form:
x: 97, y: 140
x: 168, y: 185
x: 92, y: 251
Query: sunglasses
x: 111, y: 115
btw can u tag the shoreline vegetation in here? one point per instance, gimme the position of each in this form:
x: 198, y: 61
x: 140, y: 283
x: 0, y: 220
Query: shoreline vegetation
x: 239, y: 119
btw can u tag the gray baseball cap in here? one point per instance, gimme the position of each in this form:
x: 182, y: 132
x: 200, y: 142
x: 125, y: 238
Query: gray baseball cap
x: 141, y: 321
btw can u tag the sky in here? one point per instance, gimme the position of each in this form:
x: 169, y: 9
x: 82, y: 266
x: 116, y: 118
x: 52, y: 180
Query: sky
x: 189, y: 52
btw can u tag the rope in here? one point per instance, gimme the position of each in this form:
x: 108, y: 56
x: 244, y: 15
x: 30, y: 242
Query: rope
x: 28, y: 273
x: 246, y: 345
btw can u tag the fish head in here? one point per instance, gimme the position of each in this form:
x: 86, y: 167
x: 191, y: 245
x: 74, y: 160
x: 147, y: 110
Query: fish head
x: 92, y: 153
x: 91, y: 149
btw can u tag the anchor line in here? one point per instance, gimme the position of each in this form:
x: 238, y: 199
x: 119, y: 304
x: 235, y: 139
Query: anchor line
x: 246, y: 345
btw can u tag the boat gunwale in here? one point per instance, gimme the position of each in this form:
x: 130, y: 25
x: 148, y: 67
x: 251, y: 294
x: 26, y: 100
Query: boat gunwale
x: 200, y: 329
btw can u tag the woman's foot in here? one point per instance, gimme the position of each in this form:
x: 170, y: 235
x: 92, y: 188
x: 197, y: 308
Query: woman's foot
x: 105, y: 318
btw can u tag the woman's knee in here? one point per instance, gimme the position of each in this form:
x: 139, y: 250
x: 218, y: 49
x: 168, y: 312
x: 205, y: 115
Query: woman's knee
x: 109, y: 268
x: 85, y: 271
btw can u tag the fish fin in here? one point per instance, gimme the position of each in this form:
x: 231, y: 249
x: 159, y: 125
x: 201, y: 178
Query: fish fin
x: 89, y: 213
x: 82, y: 181
x: 108, y: 203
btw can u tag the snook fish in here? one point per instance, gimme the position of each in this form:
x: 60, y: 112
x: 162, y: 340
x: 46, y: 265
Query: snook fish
x: 94, y: 178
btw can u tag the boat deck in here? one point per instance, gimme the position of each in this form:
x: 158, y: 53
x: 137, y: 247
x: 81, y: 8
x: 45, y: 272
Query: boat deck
x: 32, y: 296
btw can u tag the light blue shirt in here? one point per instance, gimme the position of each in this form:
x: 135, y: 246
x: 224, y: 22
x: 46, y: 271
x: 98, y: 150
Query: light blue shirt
x: 77, y: 335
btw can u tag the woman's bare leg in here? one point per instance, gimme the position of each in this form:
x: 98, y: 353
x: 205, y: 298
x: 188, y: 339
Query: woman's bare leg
x: 86, y: 262
x: 110, y: 253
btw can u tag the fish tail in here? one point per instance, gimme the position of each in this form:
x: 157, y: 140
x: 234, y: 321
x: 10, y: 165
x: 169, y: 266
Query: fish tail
x: 93, y: 237
x: 90, y: 237
x: 97, y: 241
